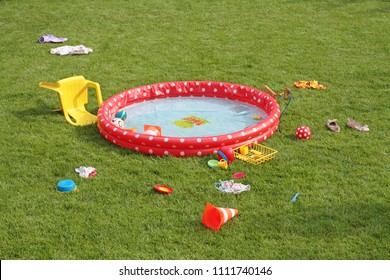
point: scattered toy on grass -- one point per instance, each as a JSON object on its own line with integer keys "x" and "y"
{"x": 303, "y": 133}
{"x": 274, "y": 92}
{"x": 295, "y": 197}
{"x": 238, "y": 175}
{"x": 254, "y": 153}
{"x": 66, "y": 186}
{"x": 214, "y": 217}
{"x": 212, "y": 163}
{"x": 226, "y": 154}
{"x": 163, "y": 189}
{"x": 223, "y": 164}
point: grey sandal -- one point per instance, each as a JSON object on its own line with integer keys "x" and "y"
{"x": 355, "y": 125}
{"x": 333, "y": 125}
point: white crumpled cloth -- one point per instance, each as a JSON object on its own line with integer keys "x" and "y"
{"x": 50, "y": 38}
{"x": 71, "y": 50}
{"x": 231, "y": 187}
{"x": 86, "y": 172}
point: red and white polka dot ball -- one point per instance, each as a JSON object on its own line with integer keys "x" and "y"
{"x": 303, "y": 132}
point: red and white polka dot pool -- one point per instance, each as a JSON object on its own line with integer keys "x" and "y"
{"x": 210, "y": 128}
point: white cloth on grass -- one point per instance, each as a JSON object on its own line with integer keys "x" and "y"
{"x": 71, "y": 50}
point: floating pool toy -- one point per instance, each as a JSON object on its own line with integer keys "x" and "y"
{"x": 152, "y": 130}
{"x": 212, "y": 163}
{"x": 242, "y": 113}
{"x": 66, "y": 186}
{"x": 163, "y": 189}
{"x": 118, "y": 122}
{"x": 303, "y": 133}
{"x": 238, "y": 175}
{"x": 197, "y": 145}
{"x": 121, "y": 114}
{"x": 131, "y": 129}
{"x": 190, "y": 121}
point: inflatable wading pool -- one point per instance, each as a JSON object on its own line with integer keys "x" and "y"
{"x": 189, "y": 118}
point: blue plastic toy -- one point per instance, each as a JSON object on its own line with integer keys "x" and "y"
{"x": 295, "y": 197}
{"x": 121, "y": 114}
{"x": 66, "y": 186}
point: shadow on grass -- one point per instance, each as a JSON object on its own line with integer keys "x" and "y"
{"x": 41, "y": 109}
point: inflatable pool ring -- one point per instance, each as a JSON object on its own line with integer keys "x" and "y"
{"x": 162, "y": 145}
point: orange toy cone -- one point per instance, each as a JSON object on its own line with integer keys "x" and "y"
{"x": 214, "y": 217}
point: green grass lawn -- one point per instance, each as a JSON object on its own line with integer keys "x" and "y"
{"x": 343, "y": 209}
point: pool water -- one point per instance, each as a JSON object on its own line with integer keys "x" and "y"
{"x": 192, "y": 116}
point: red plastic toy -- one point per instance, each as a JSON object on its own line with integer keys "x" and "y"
{"x": 163, "y": 189}
{"x": 303, "y": 133}
{"x": 226, "y": 153}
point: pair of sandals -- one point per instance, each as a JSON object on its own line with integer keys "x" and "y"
{"x": 335, "y": 127}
